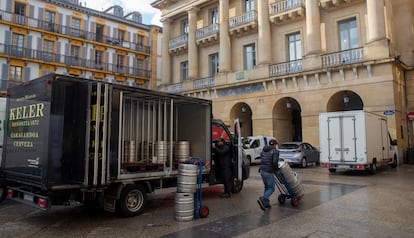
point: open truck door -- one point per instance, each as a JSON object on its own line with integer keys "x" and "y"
{"x": 241, "y": 169}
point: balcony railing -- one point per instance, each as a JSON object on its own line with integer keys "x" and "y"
{"x": 70, "y": 31}
{"x": 203, "y": 83}
{"x": 178, "y": 41}
{"x": 290, "y": 67}
{"x": 343, "y": 57}
{"x": 207, "y": 31}
{"x": 285, "y": 5}
{"x": 175, "y": 88}
{"x": 27, "y": 53}
{"x": 246, "y": 18}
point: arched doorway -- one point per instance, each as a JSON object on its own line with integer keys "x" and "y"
{"x": 345, "y": 100}
{"x": 287, "y": 120}
{"x": 244, "y": 113}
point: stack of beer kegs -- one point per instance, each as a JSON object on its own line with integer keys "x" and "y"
{"x": 184, "y": 198}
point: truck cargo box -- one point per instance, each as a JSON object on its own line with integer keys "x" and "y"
{"x": 354, "y": 140}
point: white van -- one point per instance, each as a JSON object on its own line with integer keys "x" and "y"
{"x": 253, "y": 146}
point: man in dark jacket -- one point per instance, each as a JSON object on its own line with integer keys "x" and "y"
{"x": 268, "y": 167}
{"x": 222, "y": 153}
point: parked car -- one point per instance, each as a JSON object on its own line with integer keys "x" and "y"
{"x": 298, "y": 153}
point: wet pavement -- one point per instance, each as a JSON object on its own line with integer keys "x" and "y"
{"x": 334, "y": 205}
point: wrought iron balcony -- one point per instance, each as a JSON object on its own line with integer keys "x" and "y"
{"x": 207, "y": 34}
{"x": 178, "y": 44}
{"x": 246, "y": 22}
{"x": 343, "y": 57}
{"x": 290, "y": 67}
{"x": 284, "y": 10}
{"x": 70, "y": 31}
{"x": 50, "y": 57}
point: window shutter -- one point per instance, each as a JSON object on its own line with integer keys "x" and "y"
{"x": 58, "y": 55}
{"x": 9, "y": 5}
{"x": 40, "y": 13}
{"x": 26, "y": 74}
{"x": 7, "y": 37}
{"x": 31, "y": 11}
{"x": 4, "y": 76}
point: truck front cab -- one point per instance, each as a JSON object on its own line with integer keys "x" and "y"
{"x": 241, "y": 166}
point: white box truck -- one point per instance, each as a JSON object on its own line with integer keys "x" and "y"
{"x": 355, "y": 140}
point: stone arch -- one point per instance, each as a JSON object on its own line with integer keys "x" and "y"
{"x": 344, "y": 100}
{"x": 243, "y": 112}
{"x": 287, "y": 120}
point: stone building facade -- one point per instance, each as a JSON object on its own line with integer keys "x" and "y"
{"x": 66, "y": 37}
{"x": 277, "y": 64}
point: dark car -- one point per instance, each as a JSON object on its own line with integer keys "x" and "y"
{"x": 298, "y": 153}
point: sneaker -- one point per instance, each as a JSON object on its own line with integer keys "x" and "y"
{"x": 225, "y": 195}
{"x": 268, "y": 206}
{"x": 261, "y": 204}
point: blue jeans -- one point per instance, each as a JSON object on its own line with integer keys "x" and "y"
{"x": 269, "y": 186}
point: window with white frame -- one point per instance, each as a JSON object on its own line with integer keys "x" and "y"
{"x": 17, "y": 44}
{"x": 49, "y": 21}
{"x": 48, "y": 50}
{"x": 74, "y": 55}
{"x": 348, "y": 34}
{"x": 75, "y": 30}
{"x": 184, "y": 70}
{"x": 16, "y": 73}
{"x": 184, "y": 26}
{"x": 294, "y": 46}
{"x": 249, "y": 56}
{"x": 248, "y": 5}
{"x": 214, "y": 64}
{"x": 98, "y": 59}
{"x": 214, "y": 16}
{"x": 120, "y": 63}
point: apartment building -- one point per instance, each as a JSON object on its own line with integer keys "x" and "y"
{"x": 276, "y": 64}
{"x": 66, "y": 37}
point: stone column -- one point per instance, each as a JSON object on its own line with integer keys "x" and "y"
{"x": 313, "y": 46}
{"x": 313, "y": 28}
{"x": 166, "y": 58}
{"x": 225, "y": 46}
{"x": 264, "y": 41}
{"x": 376, "y": 20}
{"x": 192, "y": 44}
{"x": 377, "y": 46}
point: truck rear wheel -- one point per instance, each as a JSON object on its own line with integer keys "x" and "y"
{"x": 237, "y": 186}
{"x": 132, "y": 201}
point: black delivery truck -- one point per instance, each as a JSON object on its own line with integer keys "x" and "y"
{"x": 75, "y": 139}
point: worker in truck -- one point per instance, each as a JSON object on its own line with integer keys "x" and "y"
{"x": 222, "y": 152}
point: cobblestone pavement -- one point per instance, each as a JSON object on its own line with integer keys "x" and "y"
{"x": 347, "y": 204}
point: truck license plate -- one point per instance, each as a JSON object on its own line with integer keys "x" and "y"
{"x": 28, "y": 197}
{"x": 341, "y": 166}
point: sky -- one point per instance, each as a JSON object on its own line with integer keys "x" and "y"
{"x": 150, "y": 15}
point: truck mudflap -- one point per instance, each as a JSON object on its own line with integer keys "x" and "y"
{"x": 29, "y": 198}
